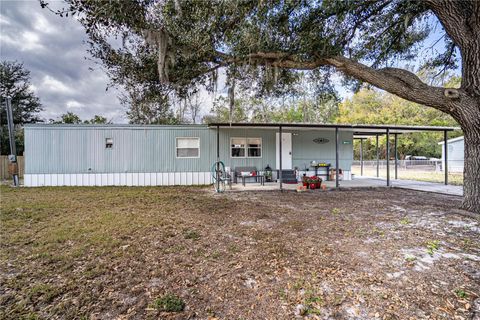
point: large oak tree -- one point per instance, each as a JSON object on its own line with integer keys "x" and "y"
{"x": 183, "y": 43}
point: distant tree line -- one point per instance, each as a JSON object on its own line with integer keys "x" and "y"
{"x": 72, "y": 118}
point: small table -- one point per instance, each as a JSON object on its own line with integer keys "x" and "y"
{"x": 322, "y": 174}
{"x": 261, "y": 176}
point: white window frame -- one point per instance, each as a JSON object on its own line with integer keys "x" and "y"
{"x": 176, "y": 147}
{"x": 261, "y": 148}
{"x": 108, "y": 143}
{"x": 246, "y": 147}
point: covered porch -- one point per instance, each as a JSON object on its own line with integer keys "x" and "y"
{"x": 284, "y": 162}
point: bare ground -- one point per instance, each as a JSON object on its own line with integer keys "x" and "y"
{"x": 109, "y": 253}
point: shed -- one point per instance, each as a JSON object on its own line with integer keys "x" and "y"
{"x": 456, "y": 153}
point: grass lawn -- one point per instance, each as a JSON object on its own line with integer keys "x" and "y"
{"x": 178, "y": 253}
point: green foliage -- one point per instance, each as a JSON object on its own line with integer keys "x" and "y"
{"x": 432, "y": 246}
{"x": 15, "y": 83}
{"x": 72, "y": 118}
{"x": 335, "y": 211}
{"x": 148, "y": 104}
{"x": 175, "y": 46}
{"x": 69, "y": 117}
{"x": 374, "y": 107}
{"x": 169, "y": 303}
{"x": 305, "y": 108}
{"x": 461, "y": 293}
{"x": 369, "y": 106}
{"x": 221, "y": 111}
{"x": 97, "y": 120}
{"x": 5, "y": 143}
{"x": 313, "y": 303}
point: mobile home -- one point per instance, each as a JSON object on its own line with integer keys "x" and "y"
{"x": 144, "y": 155}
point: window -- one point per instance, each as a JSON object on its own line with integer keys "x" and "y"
{"x": 254, "y": 146}
{"x": 108, "y": 143}
{"x": 238, "y": 147}
{"x": 246, "y": 147}
{"x": 188, "y": 147}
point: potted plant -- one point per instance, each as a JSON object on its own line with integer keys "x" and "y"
{"x": 305, "y": 181}
{"x": 314, "y": 182}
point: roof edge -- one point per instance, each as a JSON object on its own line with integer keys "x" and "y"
{"x": 453, "y": 140}
{"x": 331, "y": 125}
{"x": 83, "y": 125}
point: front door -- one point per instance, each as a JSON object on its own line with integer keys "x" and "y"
{"x": 286, "y": 150}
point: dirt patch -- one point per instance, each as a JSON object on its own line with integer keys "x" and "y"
{"x": 104, "y": 253}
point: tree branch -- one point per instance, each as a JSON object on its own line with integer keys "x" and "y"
{"x": 400, "y": 82}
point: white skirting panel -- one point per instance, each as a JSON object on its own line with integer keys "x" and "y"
{"x": 119, "y": 179}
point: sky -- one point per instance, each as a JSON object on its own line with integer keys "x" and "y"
{"x": 53, "y": 49}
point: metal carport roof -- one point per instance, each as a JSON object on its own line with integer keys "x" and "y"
{"x": 359, "y": 130}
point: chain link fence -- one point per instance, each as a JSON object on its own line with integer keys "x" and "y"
{"x": 418, "y": 170}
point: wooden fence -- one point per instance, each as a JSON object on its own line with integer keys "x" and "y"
{"x": 4, "y": 175}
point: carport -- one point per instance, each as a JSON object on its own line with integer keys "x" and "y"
{"x": 360, "y": 132}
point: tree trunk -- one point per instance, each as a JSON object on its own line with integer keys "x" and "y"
{"x": 471, "y": 173}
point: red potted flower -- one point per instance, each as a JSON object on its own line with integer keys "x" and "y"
{"x": 312, "y": 182}
{"x": 305, "y": 181}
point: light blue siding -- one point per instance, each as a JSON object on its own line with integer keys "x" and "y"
{"x": 73, "y": 149}
{"x": 305, "y": 150}
{"x": 81, "y": 149}
{"x": 268, "y": 147}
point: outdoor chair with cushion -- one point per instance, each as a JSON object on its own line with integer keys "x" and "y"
{"x": 240, "y": 170}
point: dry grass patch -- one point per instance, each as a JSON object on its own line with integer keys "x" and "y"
{"x": 175, "y": 253}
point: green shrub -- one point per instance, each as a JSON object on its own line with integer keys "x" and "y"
{"x": 169, "y": 303}
{"x": 432, "y": 246}
{"x": 461, "y": 293}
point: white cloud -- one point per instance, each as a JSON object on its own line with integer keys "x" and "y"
{"x": 53, "y": 85}
{"x": 42, "y": 25}
{"x": 30, "y": 41}
{"x": 27, "y": 41}
{"x": 52, "y": 49}
{"x": 4, "y": 21}
{"x": 72, "y": 104}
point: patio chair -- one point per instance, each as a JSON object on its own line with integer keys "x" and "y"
{"x": 238, "y": 172}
